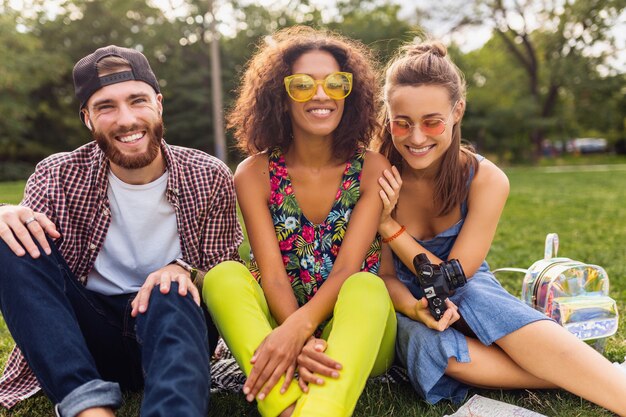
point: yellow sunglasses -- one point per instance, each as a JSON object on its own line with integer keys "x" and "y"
{"x": 302, "y": 87}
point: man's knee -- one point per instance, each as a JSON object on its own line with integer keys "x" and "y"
{"x": 172, "y": 319}
{"x": 9, "y": 260}
{"x": 22, "y": 273}
{"x": 12, "y": 264}
{"x": 171, "y": 301}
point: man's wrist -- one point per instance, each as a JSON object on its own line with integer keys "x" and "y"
{"x": 187, "y": 267}
{"x": 196, "y": 275}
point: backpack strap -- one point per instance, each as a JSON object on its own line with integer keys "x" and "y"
{"x": 550, "y": 251}
{"x": 522, "y": 270}
{"x": 552, "y": 246}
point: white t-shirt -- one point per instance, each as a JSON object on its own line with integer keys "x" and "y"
{"x": 141, "y": 239}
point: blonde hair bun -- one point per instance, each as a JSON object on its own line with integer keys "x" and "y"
{"x": 433, "y": 47}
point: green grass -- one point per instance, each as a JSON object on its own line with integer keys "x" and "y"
{"x": 11, "y": 192}
{"x": 588, "y": 211}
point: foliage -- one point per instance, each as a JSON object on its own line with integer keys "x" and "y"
{"x": 560, "y": 47}
{"x": 11, "y": 192}
{"x": 583, "y": 205}
{"x": 25, "y": 67}
{"x": 11, "y": 170}
{"x": 596, "y": 108}
{"x": 81, "y": 27}
{"x": 498, "y": 111}
{"x": 549, "y": 76}
{"x": 374, "y": 24}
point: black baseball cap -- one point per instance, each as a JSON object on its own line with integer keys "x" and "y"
{"x": 87, "y": 81}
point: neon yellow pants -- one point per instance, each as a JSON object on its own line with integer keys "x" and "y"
{"x": 360, "y": 336}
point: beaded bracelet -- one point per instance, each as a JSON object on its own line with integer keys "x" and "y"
{"x": 395, "y": 235}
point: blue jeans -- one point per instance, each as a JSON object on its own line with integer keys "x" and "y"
{"x": 85, "y": 348}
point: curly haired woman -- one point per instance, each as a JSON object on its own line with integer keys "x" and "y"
{"x": 309, "y": 197}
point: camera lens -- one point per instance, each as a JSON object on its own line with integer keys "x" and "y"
{"x": 454, "y": 273}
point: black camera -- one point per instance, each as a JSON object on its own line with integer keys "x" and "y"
{"x": 438, "y": 281}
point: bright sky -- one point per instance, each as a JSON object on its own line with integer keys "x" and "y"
{"x": 468, "y": 40}
{"x": 478, "y": 37}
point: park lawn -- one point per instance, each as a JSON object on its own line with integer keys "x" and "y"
{"x": 587, "y": 208}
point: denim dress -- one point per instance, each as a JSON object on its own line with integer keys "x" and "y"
{"x": 488, "y": 309}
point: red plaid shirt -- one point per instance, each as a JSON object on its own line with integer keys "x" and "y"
{"x": 71, "y": 189}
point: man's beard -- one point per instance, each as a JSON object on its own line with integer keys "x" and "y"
{"x": 154, "y": 134}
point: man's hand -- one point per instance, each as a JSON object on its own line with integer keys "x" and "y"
{"x": 313, "y": 362}
{"x": 18, "y": 226}
{"x": 164, "y": 277}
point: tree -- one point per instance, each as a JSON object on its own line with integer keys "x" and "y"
{"x": 553, "y": 41}
{"x": 26, "y": 66}
{"x": 77, "y": 29}
{"x": 597, "y": 107}
{"x": 376, "y": 24}
{"x": 499, "y": 110}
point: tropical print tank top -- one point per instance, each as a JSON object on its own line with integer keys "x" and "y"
{"x": 309, "y": 250}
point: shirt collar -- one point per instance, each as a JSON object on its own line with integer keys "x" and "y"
{"x": 102, "y": 166}
{"x": 173, "y": 181}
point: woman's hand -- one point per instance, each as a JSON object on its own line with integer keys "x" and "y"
{"x": 276, "y": 356}
{"x": 422, "y": 313}
{"x": 390, "y": 184}
{"x": 313, "y": 362}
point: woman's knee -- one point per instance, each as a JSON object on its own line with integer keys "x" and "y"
{"x": 224, "y": 278}
{"x": 364, "y": 290}
{"x": 365, "y": 284}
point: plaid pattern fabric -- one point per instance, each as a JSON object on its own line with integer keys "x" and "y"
{"x": 18, "y": 382}
{"x": 71, "y": 189}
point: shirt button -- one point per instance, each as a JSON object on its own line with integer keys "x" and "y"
{"x": 92, "y": 247}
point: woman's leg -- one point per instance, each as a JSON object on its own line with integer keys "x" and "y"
{"x": 441, "y": 365}
{"x": 240, "y": 312}
{"x": 491, "y": 367}
{"x": 490, "y": 312}
{"x": 361, "y": 339}
{"x": 550, "y": 352}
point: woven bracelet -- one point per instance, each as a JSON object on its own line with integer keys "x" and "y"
{"x": 395, "y": 235}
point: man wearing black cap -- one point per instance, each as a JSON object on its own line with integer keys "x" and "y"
{"x": 100, "y": 262}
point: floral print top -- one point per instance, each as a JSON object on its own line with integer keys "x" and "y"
{"x": 309, "y": 250}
